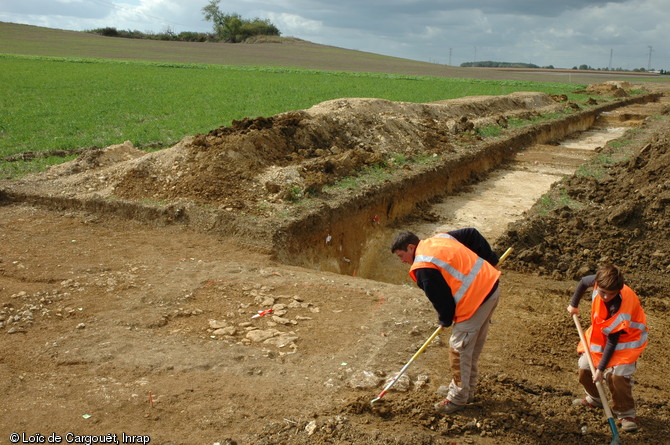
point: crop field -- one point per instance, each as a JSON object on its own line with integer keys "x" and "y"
{"x": 66, "y": 90}
{"x": 63, "y": 104}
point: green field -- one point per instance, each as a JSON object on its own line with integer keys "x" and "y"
{"x": 56, "y": 104}
{"x": 50, "y": 102}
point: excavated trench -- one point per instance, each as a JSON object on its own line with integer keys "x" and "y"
{"x": 487, "y": 186}
{"x": 492, "y": 203}
{"x": 489, "y": 191}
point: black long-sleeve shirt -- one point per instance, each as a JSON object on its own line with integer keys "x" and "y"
{"x": 612, "y": 306}
{"x": 436, "y": 288}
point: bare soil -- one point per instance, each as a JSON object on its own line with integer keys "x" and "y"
{"x": 129, "y": 282}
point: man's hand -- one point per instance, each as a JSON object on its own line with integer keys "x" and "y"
{"x": 573, "y": 310}
{"x": 598, "y": 376}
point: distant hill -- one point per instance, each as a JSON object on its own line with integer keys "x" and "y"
{"x": 285, "y": 52}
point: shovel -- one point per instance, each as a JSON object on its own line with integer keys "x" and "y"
{"x": 599, "y": 385}
{"x": 423, "y": 347}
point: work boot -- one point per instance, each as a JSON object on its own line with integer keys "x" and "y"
{"x": 447, "y": 407}
{"x": 629, "y": 424}
{"x": 444, "y": 391}
{"x": 585, "y": 402}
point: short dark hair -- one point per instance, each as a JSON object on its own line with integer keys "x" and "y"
{"x": 609, "y": 277}
{"x": 404, "y": 239}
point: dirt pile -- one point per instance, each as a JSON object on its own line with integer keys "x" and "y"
{"x": 617, "y": 209}
{"x": 256, "y": 165}
{"x": 612, "y": 88}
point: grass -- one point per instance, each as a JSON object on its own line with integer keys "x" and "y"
{"x": 374, "y": 174}
{"x": 20, "y": 167}
{"x": 596, "y": 168}
{"x": 377, "y": 173}
{"x": 56, "y": 95}
{"x": 60, "y": 103}
{"x": 490, "y": 131}
{"x": 617, "y": 150}
{"x": 516, "y": 122}
{"x": 554, "y": 199}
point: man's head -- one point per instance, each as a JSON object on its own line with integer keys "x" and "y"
{"x": 404, "y": 246}
{"x": 610, "y": 281}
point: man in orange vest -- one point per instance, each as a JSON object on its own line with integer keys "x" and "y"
{"x": 616, "y": 338}
{"x": 456, "y": 271}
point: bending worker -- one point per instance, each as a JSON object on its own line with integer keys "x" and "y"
{"x": 617, "y": 337}
{"x": 456, "y": 271}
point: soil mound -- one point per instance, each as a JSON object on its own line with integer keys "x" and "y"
{"x": 93, "y": 159}
{"x": 275, "y": 159}
{"x": 612, "y": 88}
{"x": 615, "y": 212}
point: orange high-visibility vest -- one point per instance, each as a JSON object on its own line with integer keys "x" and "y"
{"x": 470, "y": 277}
{"x": 630, "y": 319}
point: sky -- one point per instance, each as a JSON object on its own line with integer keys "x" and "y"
{"x": 626, "y": 34}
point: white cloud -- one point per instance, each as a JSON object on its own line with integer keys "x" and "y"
{"x": 291, "y": 24}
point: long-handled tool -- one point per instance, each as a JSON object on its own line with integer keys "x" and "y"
{"x": 423, "y": 347}
{"x": 599, "y": 385}
{"x": 404, "y": 368}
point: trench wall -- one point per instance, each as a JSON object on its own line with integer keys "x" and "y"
{"x": 347, "y": 226}
{"x": 335, "y": 238}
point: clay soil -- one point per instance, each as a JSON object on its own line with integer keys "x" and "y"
{"x": 119, "y": 318}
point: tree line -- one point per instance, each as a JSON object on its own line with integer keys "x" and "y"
{"x": 491, "y": 64}
{"x": 227, "y": 27}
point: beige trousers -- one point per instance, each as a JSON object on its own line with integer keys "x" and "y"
{"x": 466, "y": 344}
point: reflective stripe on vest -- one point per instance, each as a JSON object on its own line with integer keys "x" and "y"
{"x": 634, "y": 333}
{"x": 469, "y": 277}
{"x": 466, "y": 280}
{"x": 627, "y": 345}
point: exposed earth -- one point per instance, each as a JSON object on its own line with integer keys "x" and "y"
{"x": 129, "y": 282}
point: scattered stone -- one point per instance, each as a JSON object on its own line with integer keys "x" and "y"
{"x": 421, "y": 381}
{"x": 364, "y": 380}
{"x": 281, "y": 340}
{"x": 214, "y": 324}
{"x": 401, "y": 385}
{"x": 266, "y": 301}
{"x": 258, "y": 336}
{"x": 310, "y": 428}
{"x": 280, "y": 320}
{"x": 228, "y": 330}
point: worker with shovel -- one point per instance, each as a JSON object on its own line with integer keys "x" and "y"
{"x": 456, "y": 271}
{"x": 616, "y": 338}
